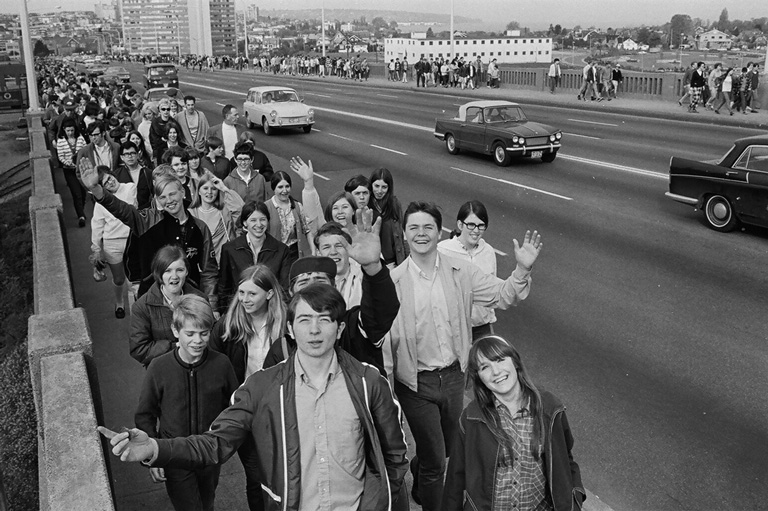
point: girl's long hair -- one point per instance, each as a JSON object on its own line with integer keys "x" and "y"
{"x": 238, "y": 325}
{"x": 493, "y": 347}
{"x": 386, "y": 207}
{"x": 197, "y": 201}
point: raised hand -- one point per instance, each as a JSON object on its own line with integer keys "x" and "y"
{"x": 87, "y": 173}
{"x": 366, "y": 242}
{"x": 304, "y": 170}
{"x": 219, "y": 184}
{"x": 527, "y": 253}
{"x": 129, "y": 445}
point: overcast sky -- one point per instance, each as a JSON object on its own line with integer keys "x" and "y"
{"x": 535, "y": 14}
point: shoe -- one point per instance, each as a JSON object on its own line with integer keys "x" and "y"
{"x": 119, "y": 312}
{"x": 609, "y": 99}
{"x": 99, "y": 275}
{"x": 578, "y": 97}
{"x": 680, "y": 102}
{"x": 717, "y": 111}
{"x": 731, "y": 113}
{"x": 81, "y": 221}
{"x": 599, "y": 99}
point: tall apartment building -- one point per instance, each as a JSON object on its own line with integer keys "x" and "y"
{"x": 200, "y": 27}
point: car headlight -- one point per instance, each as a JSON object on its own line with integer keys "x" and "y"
{"x": 558, "y": 135}
{"x": 515, "y": 139}
{"x": 552, "y": 138}
{"x": 273, "y": 114}
{"x": 521, "y": 140}
{"x": 310, "y": 113}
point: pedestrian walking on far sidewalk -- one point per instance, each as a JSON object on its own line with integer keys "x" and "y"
{"x": 554, "y": 75}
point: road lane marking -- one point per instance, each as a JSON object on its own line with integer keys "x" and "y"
{"x": 388, "y": 149}
{"x": 375, "y": 119}
{"x": 386, "y": 96}
{"x": 318, "y": 95}
{"x": 594, "y": 122}
{"x": 322, "y": 177}
{"x": 339, "y": 136}
{"x": 499, "y": 180}
{"x": 502, "y": 254}
{"x": 221, "y": 104}
{"x": 623, "y": 168}
{"x": 581, "y": 136}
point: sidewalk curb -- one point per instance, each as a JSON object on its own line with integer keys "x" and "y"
{"x": 506, "y": 91}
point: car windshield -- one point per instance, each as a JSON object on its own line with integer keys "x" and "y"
{"x": 280, "y": 96}
{"x": 498, "y": 114}
{"x": 158, "y": 71}
{"x": 116, "y": 70}
{"x": 155, "y": 95}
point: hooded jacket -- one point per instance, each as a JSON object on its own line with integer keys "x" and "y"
{"x": 264, "y": 407}
{"x": 471, "y": 473}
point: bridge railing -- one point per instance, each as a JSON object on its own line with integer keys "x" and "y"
{"x": 72, "y": 470}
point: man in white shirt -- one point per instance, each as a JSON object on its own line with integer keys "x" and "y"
{"x": 228, "y": 131}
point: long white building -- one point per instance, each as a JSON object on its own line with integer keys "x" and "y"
{"x": 505, "y": 49}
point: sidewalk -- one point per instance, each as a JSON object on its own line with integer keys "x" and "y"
{"x": 562, "y": 98}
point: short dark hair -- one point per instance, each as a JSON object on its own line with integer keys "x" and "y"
{"x": 213, "y": 143}
{"x": 355, "y": 183}
{"x": 227, "y": 108}
{"x": 331, "y": 229}
{"x": 96, "y": 125}
{"x": 249, "y": 209}
{"x": 429, "y": 208}
{"x": 321, "y": 298}
{"x": 165, "y": 257}
{"x": 175, "y": 151}
{"x": 190, "y": 98}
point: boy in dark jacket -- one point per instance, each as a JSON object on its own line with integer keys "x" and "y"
{"x": 183, "y": 392}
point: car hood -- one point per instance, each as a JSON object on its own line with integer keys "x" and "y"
{"x": 288, "y": 109}
{"x": 526, "y": 129}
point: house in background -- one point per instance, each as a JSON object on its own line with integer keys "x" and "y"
{"x": 714, "y": 40}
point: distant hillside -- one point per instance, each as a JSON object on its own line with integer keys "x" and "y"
{"x": 348, "y": 15}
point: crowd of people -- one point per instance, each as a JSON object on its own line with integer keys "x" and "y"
{"x": 294, "y": 334}
{"x": 715, "y": 87}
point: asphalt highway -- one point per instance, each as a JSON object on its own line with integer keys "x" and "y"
{"x": 641, "y": 319}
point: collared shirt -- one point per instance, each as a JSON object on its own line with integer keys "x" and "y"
{"x": 351, "y": 285}
{"x": 229, "y": 137}
{"x": 434, "y": 342}
{"x": 331, "y": 442}
{"x": 258, "y": 346}
{"x": 103, "y": 155}
{"x": 520, "y": 482}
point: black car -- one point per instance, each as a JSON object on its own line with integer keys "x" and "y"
{"x": 730, "y": 190}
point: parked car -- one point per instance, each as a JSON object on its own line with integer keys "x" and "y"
{"x": 160, "y": 75}
{"x": 118, "y": 74}
{"x": 276, "y": 107}
{"x": 95, "y": 69}
{"x": 499, "y": 128}
{"x": 730, "y": 190}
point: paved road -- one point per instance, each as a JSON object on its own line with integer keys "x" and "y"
{"x": 641, "y": 318}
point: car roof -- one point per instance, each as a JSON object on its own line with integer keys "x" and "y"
{"x": 272, "y": 88}
{"x": 487, "y": 103}
{"x": 757, "y": 139}
{"x": 159, "y": 65}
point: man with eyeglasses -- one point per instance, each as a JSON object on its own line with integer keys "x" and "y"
{"x": 248, "y": 184}
{"x": 158, "y": 129}
{"x": 228, "y": 131}
{"x": 194, "y": 124}
{"x": 432, "y": 334}
{"x": 100, "y": 151}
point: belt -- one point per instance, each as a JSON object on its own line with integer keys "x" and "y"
{"x": 447, "y": 369}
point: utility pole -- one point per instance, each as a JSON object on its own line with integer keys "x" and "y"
{"x": 245, "y": 31}
{"x": 29, "y": 59}
{"x": 322, "y": 28}
{"x": 452, "y": 52}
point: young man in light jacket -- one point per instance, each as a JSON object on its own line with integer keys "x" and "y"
{"x": 432, "y": 334}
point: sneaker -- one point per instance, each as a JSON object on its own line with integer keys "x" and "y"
{"x": 599, "y": 99}
{"x": 717, "y": 111}
{"x": 680, "y": 102}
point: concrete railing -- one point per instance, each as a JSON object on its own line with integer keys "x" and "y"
{"x": 72, "y": 470}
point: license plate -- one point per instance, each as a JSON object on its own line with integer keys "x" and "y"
{"x": 537, "y": 154}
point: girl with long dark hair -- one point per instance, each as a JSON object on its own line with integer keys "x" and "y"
{"x": 513, "y": 445}
{"x": 384, "y": 204}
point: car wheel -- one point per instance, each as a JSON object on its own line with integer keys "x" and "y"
{"x": 549, "y": 157}
{"x": 248, "y": 123}
{"x": 719, "y": 214}
{"x": 307, "y": 129}
{"x": 500, "y": 155}
{"x": 266, "y": 127}
{"x": 450, "y": 143}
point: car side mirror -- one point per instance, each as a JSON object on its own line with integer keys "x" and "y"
{"x": 301, "y": 100}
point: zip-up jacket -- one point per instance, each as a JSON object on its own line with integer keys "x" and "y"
{"x": 186, "y": 398}
{"x": 264, "y": 407}
{"x": 151, "y": 334}
{"x": 156, "y": 229}
{"x": 366, "y": 324}
{"x": 471, "y": 473}
{"x": 254, "y": 190}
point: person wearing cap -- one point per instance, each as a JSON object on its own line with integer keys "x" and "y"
{"x": 367, "y": 323}
{"x": 325, "y": 429}
{"x": 68, "y": 104}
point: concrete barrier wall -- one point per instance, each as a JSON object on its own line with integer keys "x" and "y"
{"x": 72, "y": 469}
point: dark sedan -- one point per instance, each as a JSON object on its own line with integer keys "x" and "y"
{"x": 499, "y": 128}
{"x": 731, "y": 190}
{"x": 118, "y": 74}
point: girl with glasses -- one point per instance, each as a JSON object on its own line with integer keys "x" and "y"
{"x": 467, "y": 243}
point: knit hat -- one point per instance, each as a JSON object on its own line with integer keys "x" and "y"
{"x": 312, "y": 264}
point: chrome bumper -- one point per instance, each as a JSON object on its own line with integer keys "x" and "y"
{"x": 691, "y": 201}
